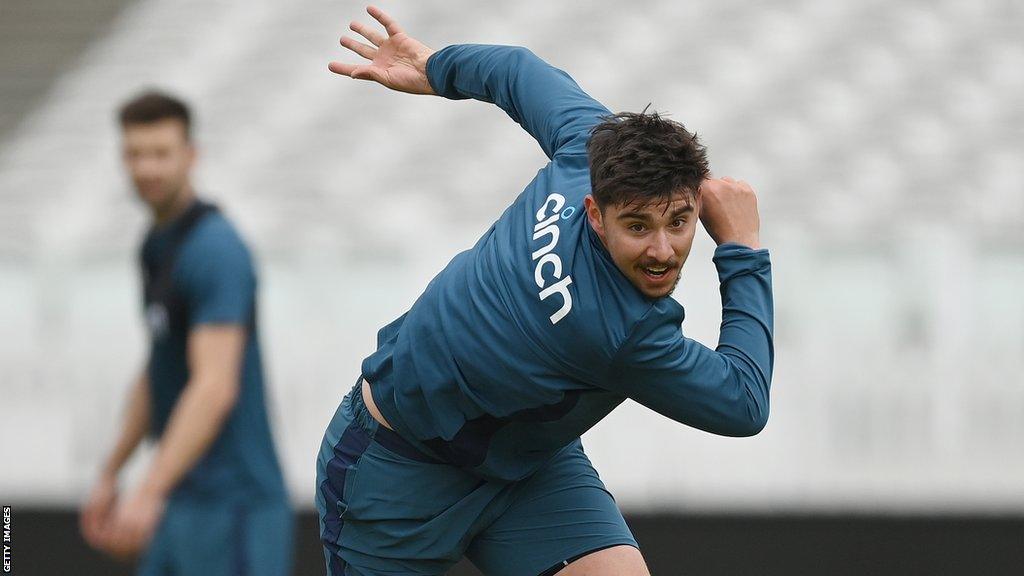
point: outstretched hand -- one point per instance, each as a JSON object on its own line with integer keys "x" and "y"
{"x": 397, "y": 60}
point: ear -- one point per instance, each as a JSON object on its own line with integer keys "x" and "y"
{"x": 594, "y": 215}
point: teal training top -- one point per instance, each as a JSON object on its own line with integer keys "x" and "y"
{"x": 533, "y": 335}
{"x": 198, "y": 271}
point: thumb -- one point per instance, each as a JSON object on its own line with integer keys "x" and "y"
{"x": 369, "y": 73}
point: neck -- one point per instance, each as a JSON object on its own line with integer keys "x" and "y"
{"x": 163, "y": 215}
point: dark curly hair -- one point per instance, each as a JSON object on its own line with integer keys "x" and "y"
{"x": 154, "y": 106}
{"x": 643, "y": 158}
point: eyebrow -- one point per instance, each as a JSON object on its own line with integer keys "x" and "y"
{"x": 638, "y": 214}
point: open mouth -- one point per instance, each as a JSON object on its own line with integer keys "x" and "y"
{"x": 656, "y": 273}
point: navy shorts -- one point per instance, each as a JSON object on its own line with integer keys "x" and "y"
{"x": 221, "y": 539}
{"x": 387, "y": 509}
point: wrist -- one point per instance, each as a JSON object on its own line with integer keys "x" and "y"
{"x": 423, "y": 66}
{"x": 153, "y": 489}
{"x": 749, "y": 241}
{"x": 423, "y": 58}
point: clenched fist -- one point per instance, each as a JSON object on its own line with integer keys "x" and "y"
{"x": 728, "y": 211}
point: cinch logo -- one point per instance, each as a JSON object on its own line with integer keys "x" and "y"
{"x": 545, "y": 256}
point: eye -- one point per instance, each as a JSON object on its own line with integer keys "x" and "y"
{"x": 636, "y": 227}
{"x": 678, "y": 223}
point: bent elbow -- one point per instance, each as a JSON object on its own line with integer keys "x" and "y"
{"x": 738, "y": 420}
{"x": 752, "y": 425}
{"x": 751, "y": 402}
{"x": 219, "y": 394}
{"x": 742, "y": 417}
{"x": 521, "y": 53}
{"x": 229, "y": 395}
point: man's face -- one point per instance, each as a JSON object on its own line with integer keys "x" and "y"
{"x": 158, "y": 157}
{"x": 648, "y": 243}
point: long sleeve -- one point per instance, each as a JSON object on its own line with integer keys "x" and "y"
{"x": 724, "y": 391}
{"x": 544, "y": 100}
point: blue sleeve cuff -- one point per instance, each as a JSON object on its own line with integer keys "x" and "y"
{"x": 734, "y": 259}
{"x": 438, "y": 69}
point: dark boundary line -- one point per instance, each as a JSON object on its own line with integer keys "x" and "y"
{"x": 47, "y": 542}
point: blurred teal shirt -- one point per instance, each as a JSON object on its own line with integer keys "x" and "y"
{"x": 532, "y": 336}
{"x": 212, "y": 281}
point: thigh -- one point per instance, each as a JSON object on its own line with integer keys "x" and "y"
{"x": 615, "y": 561}
{"x": 385, "y": 512}
{"x": 156, "y": 561}
{"x": 561, "y": 513}
{"x": 206, "y": 538}
{"x": 222, "y": 538}
{"x": 268, "y": 538}
{"x": 191, "y": 539}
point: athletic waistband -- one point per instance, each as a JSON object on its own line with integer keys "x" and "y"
{"x": 382, "y": 434}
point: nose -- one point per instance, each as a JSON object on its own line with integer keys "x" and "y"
{"x": 147, "y": 167}
{"x": 660, "y": 249}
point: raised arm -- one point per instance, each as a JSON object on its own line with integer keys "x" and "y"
{"x": 542, "y": 99}
{"x": 726, "y": 390}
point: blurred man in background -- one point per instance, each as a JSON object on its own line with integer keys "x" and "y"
{"x": 462, "y": 436}
{"x": 213, "y": 500}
